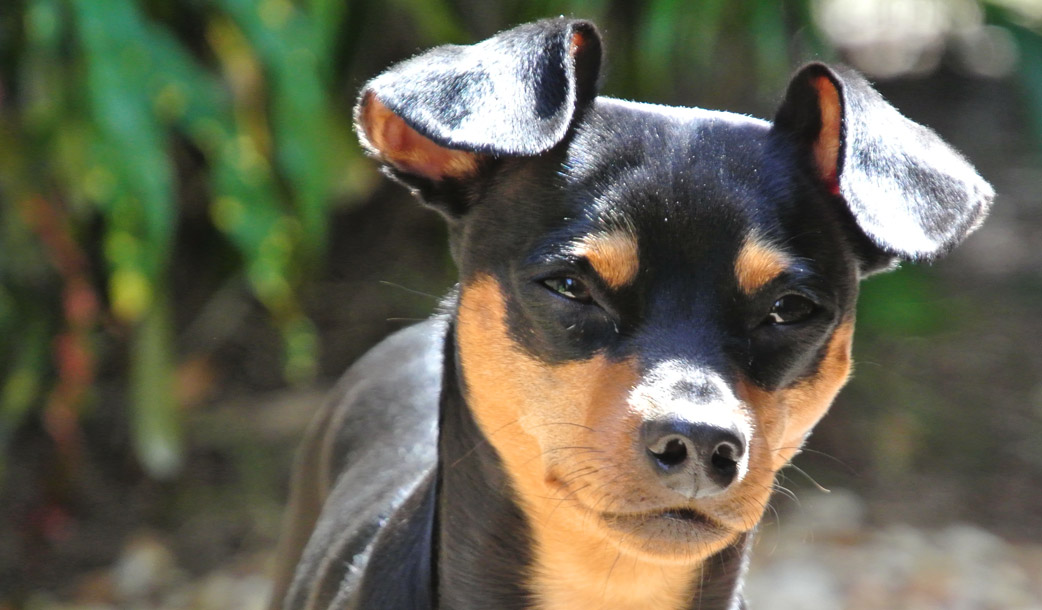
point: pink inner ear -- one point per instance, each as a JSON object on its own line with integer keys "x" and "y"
{"x": 578, "y": 42}
{"x": 407, "y": 150}
{"x": 826, "y": 147}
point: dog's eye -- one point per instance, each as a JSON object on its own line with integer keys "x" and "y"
{"x": 570, "y": 288}
{"x": 790, "y": 309}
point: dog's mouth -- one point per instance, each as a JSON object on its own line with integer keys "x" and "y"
{"x": 670, "y": 530}
{"x": 669, "y": 535}
{"x": 673, "y": 517}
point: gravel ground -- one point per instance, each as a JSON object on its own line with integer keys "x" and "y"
{"x": 821, "y": 556}
{"x": 824, "y": 557}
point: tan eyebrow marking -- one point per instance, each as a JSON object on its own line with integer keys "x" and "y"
{"x": 613, "y": 255}
{"x": 758, "y": 263}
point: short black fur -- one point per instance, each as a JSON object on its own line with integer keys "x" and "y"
{"x": 484, "y": 545}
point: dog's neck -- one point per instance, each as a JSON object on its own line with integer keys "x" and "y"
{"x": 486, "y": 544}
{"x": 482, "y": 537}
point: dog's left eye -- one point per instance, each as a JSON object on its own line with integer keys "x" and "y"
{"x": 790, "y": 309}
{"x": 570, "y": 288}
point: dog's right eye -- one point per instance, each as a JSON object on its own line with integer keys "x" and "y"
{"x": 790, "y": 309}
{"x": 569, "y": 288}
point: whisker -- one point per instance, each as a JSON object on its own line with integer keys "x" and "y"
{"x": 607, "y": 579}
{"x": 563, "y": 500}
{"x": 850, "y": 469}
{"x": 482, "y": 442}
{"x": 576, "y": 474}
{"x": 579, "y": 451}
{"x": 820, "y": 487}
{"x": 788, "y": 493}
{"x": 776, "y": 514}
{"x": 607, "y": 483}
{"x": 411, "y": 290}
{"x": 565, "y": 423}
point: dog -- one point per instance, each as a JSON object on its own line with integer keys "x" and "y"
{"x": 655, "y": 307}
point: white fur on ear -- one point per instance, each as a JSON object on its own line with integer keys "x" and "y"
{"x": 514, "y": 94}
{"x": 911, "y": 193}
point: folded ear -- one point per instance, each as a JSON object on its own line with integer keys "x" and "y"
{"x": 910, "y": 193}
{"x": 440, "y": 114}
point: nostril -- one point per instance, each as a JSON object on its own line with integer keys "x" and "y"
{"x": 673, "y": 453}
{"x": 731, "y": 450}
{"x": 694, "y": 459}
{"x": 725, "y": 459}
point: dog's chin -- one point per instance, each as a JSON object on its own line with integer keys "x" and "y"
{"x": 668, "y": 535}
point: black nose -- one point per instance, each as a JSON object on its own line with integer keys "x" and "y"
{"x": 694, "y": 459}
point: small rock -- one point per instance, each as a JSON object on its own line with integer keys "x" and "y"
{"x": 145, "y": 567}
{"x": 223, "y": 591}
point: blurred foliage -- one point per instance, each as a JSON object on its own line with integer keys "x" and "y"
{"x": 1029, "y": 43}
{"x": 117, "y": 116}
{"x": 906, "y": 303}
{"x": 97, "y": 95}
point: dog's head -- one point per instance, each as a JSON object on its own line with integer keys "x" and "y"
{"x": 656, "y": 304}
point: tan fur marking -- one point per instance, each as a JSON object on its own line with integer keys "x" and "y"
{"x": 404, "y": 147}
{"x": 826, "y": 148}
{"x": 795, "y": 410}
{"x": 614, "y": 256}
{"x": 559, "y": 430}
{"x": 758, "y": 263}
{"x": 567, "y": 435}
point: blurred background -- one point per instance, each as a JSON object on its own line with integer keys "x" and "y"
{"x": 193, "y": 248}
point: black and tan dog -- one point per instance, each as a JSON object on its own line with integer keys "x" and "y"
{"x": 655, "y": 307}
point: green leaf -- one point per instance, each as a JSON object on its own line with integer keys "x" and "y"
{"x": 119, "y": 62}
{"x": 301, "y": 340}
{"x": 155, "y": 421}
{"x": 23, "y": 382}
{"x": 657, "y": 42}
{"x": 769, "y": 36}
{"x": 1030, "y": 44}
{"x": 903, "y": 303}
{"x": 284, "y": 39}
{"x": 327, "y": 16}
{"x": 435, "y": 20}
{"x": 130, "y": 140}
{"x": 677, "y": 38}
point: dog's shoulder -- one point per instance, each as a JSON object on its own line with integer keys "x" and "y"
{"x": 373, "y": 452}
{"x": 388, "y": 400}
